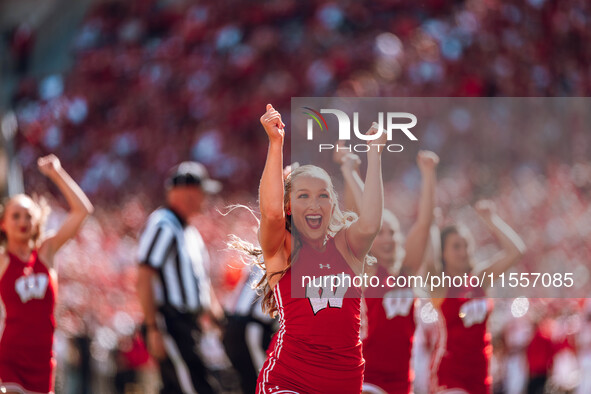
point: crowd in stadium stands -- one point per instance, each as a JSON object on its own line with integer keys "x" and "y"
{"x": 157, "y": 82}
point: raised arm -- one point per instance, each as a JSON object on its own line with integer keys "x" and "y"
{"x": 512, "y": 246}
{"x": 349, "y": 163}
{"x": 431, "y": 263}
{"x": 80, "y": 206}
{"x": 418, "y": 236}
{"x": 272, "y": 231}
{"x": 360, "y": 235}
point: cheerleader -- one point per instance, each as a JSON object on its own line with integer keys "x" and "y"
{"x": 390, "y": 311}
{"x": 461, "y": 359}
{"x": 304, "y": 233}
{"x": 28, "y": 282}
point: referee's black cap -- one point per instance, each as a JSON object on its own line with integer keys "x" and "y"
{"x": 192, "y": 173}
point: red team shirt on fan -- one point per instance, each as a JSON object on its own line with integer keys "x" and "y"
{"x": 390, "y": 334}
{"x": 27, "y": 295}
{"x": 540, "y": 353}
{"x": 464, "y": 348}
{"x": 317, "y": 348}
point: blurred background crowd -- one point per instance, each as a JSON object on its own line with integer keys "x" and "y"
{"x": 123, "y": 90}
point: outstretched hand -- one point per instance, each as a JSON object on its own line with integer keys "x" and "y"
{"x": 49, "y": 165}
{"x": 271, "y": 121}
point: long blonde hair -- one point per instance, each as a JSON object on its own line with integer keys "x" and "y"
{"x": 339, "y": 220}
{"x": 40, "y": 211}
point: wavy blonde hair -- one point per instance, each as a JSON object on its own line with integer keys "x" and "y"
{"x": 40, "y": 211}
{"x": 339, "y": 220}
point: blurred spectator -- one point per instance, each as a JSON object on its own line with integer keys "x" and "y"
{"x": 540, "y": 356}
{"x": 131, "y": 356}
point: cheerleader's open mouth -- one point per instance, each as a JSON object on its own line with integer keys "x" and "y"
{"x": 314, "y": 221}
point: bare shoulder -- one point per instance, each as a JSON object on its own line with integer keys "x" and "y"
{"x": 4, "y": 260}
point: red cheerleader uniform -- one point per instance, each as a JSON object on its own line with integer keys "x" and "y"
{"x": 462, "y": 357}
{"x": 27, "y": 300}
{"x": 317, "y": 348}
{"x": 390, "y": 335}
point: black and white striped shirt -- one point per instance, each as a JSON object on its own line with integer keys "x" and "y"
{"x": 179, "y": 256}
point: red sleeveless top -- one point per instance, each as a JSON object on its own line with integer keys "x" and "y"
{"x": 317, "y": 348}
{"x": 464, "y": 348}
{"x": 27, "y": 323}
{"x": 390, "y": 334}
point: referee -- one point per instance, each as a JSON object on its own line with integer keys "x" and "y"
{"x": 173, "y": 282}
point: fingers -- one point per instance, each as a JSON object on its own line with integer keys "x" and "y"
{"x": 272, "y": 116}
{"x": 381, "y": 136}
{"x": 375, "y": 127}
{"x": 430, "y": 155}
{"x": 427, "y": 159}
{"x": 343, "y": 155}
{"x": 275, "y": 120}
{"x": 289, "y": 169}
{"x": 482, "y": 203}
{"x": 51, "y": 158}
{"x": 485, "y": 204}
{"x": 350, "y": 160}
{"x": 485, "y": 207}
{"x": 353, "y": 158}
{"x": 286, "y": 172}
{"x": 42, "y": 160}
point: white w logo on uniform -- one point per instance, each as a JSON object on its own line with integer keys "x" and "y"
{"x": 31, "y": 286}
{"x": 473, "y": 312}
{"x": 322, "y": 297}
{"x": 397, "y": 303}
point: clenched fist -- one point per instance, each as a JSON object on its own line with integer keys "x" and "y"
{"x": 271, "y": 121}
{"x": 49, "y": 165}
